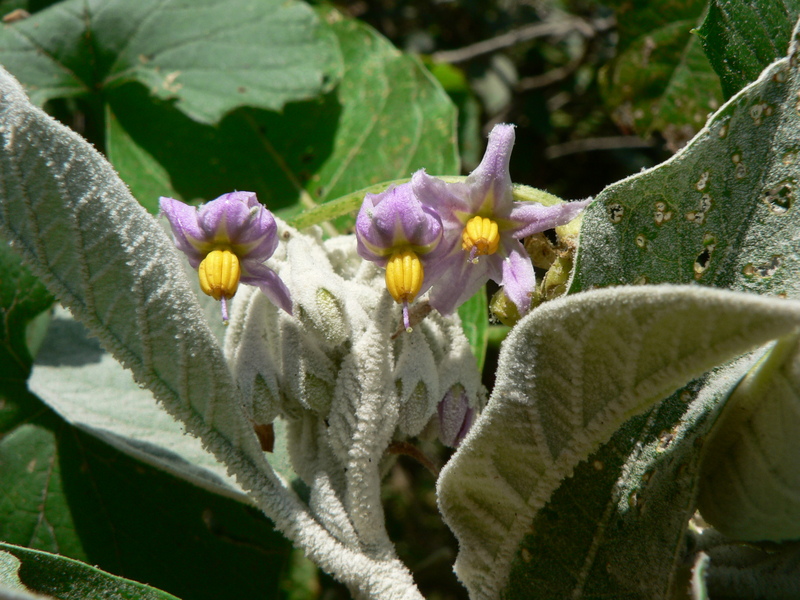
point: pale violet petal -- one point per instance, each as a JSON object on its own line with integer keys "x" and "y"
{"x": 186, "y": 231}
{"x": 533, "y": 217}
{"x": 268, "y": 281}
{"x": 519, "y": 280}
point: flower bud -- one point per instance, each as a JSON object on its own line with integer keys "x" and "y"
{"x": 455, "y": 416}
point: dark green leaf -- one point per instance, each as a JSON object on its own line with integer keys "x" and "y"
{"x": 145, "y": 176}
{"x": 742, "y": 38}
{"x": 68, "y": 579}
{"x": 66, "y": 492}
{"x": 661, "y": 79}
{"x": 474, "y": 315}
{"x": 387, "y": 118}
{"x": 22, "y": 297}
{"x": 207, "y": 56}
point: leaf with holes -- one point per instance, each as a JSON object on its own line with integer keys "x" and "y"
{"x": 207, "y": 57}
{"x": 721, "y": 212}
{"x": 718, "y": 213}
{"x": 570, "y": 374}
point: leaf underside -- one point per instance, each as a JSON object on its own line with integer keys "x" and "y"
{"x": 720, "y": 213}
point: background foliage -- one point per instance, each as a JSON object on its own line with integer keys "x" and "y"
{"x": 378, "y": 90}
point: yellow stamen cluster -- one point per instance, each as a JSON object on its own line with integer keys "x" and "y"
{"x": 480, "y": 237}
{"x": 404, "y": 275}
{"x": 219, "y": 274}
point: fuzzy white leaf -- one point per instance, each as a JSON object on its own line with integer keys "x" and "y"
{"x": 569, "y": 375}
{"x": 252, "y": 352}
{"x": 91, "y": 390}
{"x": 319, "y": 292}
{"x": 417, "y": 381}
{"x": 749, "y": 481}
{"x": 363, "y": 417}
{"x": 69, "y": 215}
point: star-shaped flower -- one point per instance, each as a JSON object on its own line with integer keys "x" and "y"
{"x": 395, "y": 231}
{"x": 227, "y": 240}
{"x": 483, "y": 226}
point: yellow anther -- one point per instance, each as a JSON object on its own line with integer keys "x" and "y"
{"x": 404, "y": 275}
{"x": 480, "y": 237}
{"x": 219, "y": 274}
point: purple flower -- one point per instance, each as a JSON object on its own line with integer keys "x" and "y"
{"x": 483, "y": 226}
{"x": 455, "y": 416}
{"x": 227, "y": 240}
{"x": 395, "y": 231}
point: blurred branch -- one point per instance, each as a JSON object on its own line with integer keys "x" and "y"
{"x": 601, "y": 143}
{"x": 523, "y": 34}
{"x": 551, "y": 76}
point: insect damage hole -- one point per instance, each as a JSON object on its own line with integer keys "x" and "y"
{"x": 702, "y": 260}
{"x": 763, "y": 270}
{"x": 661, "y": 215}
{"x": 780, "y": 198}
{"x": 615, "y": 212}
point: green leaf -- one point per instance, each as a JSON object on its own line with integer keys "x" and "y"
{"x": 661, "y": 80}
{"x": 22, "y": 297}
{"x": 145, "y": 176}
{"x": 741, "y": 38}
{"x": 66, "y": 492}
{"x": 206, "y": 56}
{"x": 474, "y": 315}
{"x": 135, "y": 521}
{"x": 570, "y": 374}
{"x": 387, "y": 118}
{"x": 70, "y": 579}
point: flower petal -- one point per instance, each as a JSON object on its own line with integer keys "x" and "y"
{"x": 395, "y": 219}
{"x": 532, "y": 217}
{"x": 259, "y": 237}
{"x": 490, "y": 184}
{"x": 454, "y": 416}
{"x": 224, "y": 218}
{"x": 519, "y": 280}
{"x": 458, "y": 280}
{"x": 189, "y": 236}
{"x": 257, "y": 273}
{"x": 451, "y": 201}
